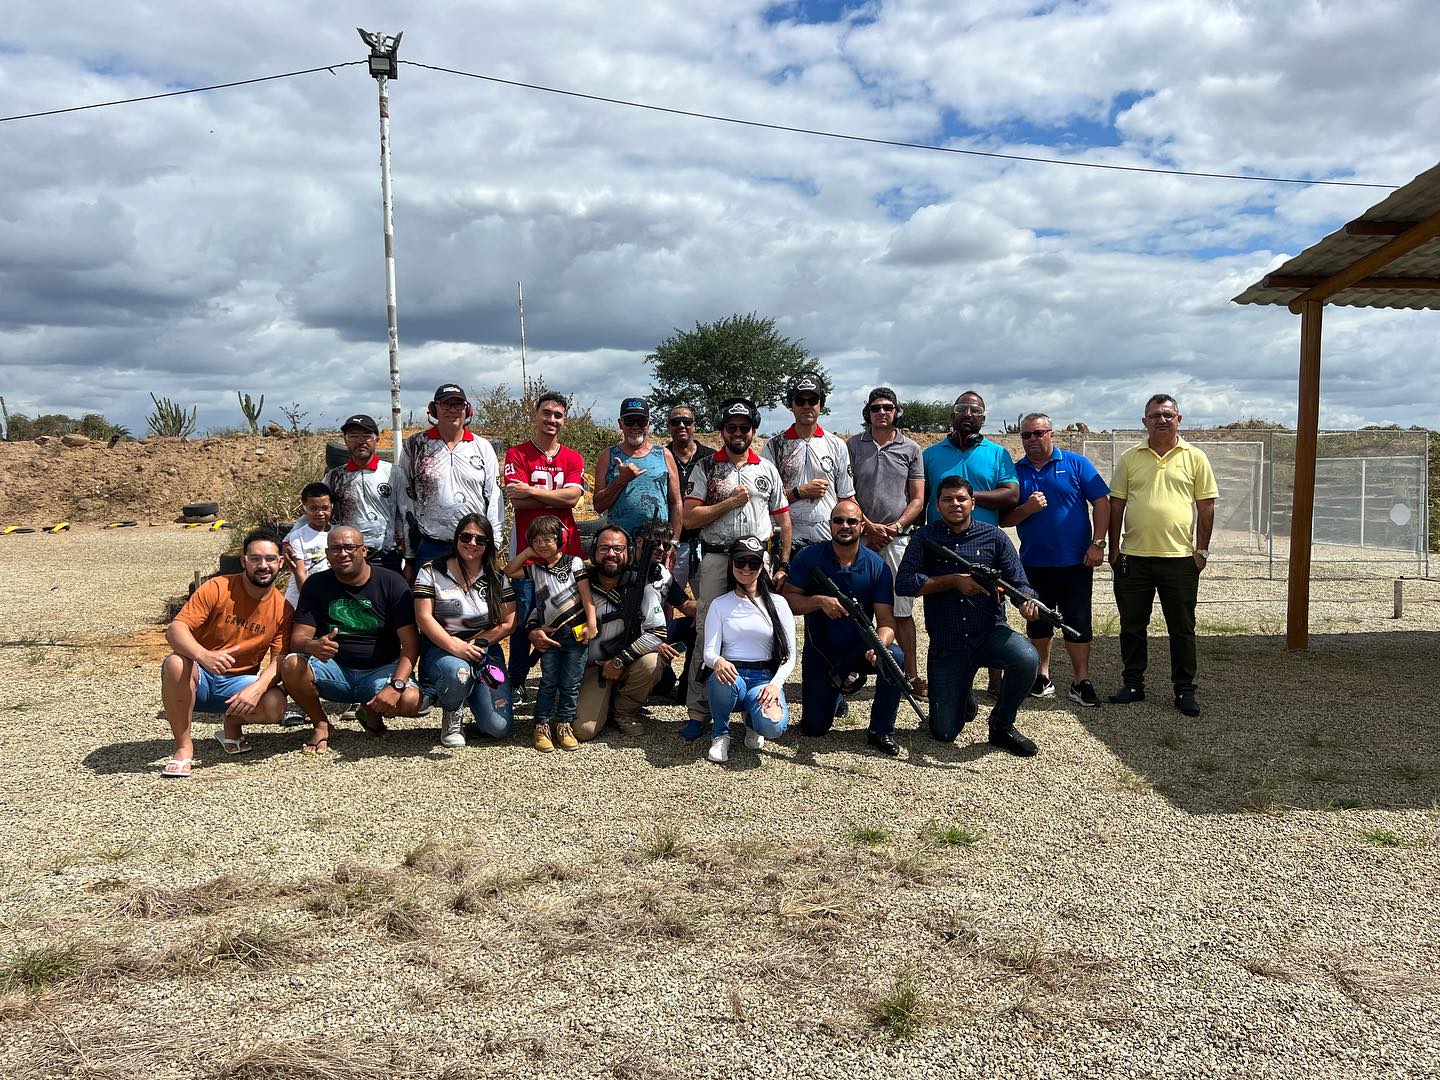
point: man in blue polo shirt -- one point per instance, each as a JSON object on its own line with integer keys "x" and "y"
{"x": 1060, "y": 546}
{"x": 834, "y": 649}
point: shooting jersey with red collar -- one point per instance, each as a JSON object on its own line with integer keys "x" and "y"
{"x": 440, "y": 485}
{"x": 799, "y": 460}
{"x": 365, "y": 499}
{"x": 715, "y": 480}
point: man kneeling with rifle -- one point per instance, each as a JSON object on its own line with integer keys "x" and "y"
{"x": 838, "y": 586}
{"x": 964, "y": 619}
{"x": 623, "y": 663}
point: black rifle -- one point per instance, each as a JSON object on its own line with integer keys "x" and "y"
{"x": 884, "y": 663}
{"x": 989, "y": 578}
{"x": 631, "y": 590}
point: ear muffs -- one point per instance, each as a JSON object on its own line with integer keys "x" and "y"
{"x": 469, "y": 411}
{"x": 865, "y": 413}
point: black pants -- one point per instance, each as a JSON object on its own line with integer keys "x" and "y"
{"x": 390, "y": 560}
{"x": 1177, "y": 581}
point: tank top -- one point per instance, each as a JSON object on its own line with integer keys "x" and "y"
{"x": 646, "y": 495}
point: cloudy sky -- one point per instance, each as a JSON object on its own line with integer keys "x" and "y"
{"x": 231, "y": 240}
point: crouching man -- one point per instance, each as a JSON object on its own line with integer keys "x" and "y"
{"x": 219, "y": 637}
{"x": 354, "y": 641}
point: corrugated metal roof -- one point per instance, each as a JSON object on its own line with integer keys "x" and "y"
{"x": 1416, "y": 201}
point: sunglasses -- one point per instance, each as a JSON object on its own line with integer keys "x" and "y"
{"x": 681, "y": 421}
{"x": 882, "y": 407}
{"x": 471, "y": 538}
{"x": 1033, "y": 434}
{"x": 748, "y": 562}
{"x": 634, "y": 421}
{"x": 845, "y": 521}
{"x": 807, "y": 400}
{"x": 738, "y": 429}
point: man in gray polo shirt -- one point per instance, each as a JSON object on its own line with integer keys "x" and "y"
{"x": 890, "y": 488}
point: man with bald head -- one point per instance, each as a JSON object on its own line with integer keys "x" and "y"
{"x": 354, "y": 640}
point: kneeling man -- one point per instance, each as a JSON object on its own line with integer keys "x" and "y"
{"x": 354, "y": 641}
{"x": 219, "y": 637}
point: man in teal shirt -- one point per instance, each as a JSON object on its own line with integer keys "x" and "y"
{"x": 985, "y": 464}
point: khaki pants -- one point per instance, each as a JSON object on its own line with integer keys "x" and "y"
{"x": 708, "y": 586}
{"x": 626, "y": 694}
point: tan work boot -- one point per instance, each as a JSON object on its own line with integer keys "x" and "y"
{"x": 542, "y": 738}
{"x": 566, "y": 738}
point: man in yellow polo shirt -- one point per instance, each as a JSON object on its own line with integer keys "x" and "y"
{"x": 1159, "y": 488}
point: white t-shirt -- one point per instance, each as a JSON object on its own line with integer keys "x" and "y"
{"x": 739, "y": 629}
{"x": 307, "y": 545}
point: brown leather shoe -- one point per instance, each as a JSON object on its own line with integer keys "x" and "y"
{"x": 920, "y": 688}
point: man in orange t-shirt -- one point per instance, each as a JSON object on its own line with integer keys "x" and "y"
{"x": 219, "y": 637}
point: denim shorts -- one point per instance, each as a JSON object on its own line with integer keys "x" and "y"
{"x": 353, "y": 686}
{"x": 213, "y": 692}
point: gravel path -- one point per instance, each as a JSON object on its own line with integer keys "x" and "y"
{"x": 1250, "y": 894}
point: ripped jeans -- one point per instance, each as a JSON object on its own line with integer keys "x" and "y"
{"x": 455, "y": 685}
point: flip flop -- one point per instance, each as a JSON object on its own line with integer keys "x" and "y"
{"x": 177, "y": 768}
{"x": 233, "y": 746}
{"x": 374, "y": 725}
{"x": 319, "y": 746}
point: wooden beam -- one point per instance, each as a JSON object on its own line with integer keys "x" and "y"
{"x": 1303, "y": 281}
{"x": 1378, "y": 228}
{"x": 1302, "y": 503}
{"x": 1363, "y": 267}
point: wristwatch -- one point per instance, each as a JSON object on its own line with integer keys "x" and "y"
{"x": 1204, "y": 553}
{"x": 617, "y": 664}
{"x": 1098, "y": 543}
{"x": 398, "y": 685}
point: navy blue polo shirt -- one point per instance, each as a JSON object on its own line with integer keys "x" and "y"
{"x": 1059, "y": 534}
{"x": 867, "y": 579}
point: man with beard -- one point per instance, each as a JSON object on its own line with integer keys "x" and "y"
{"x": 732, "y": 493}
{"x": 354, "y": 641}
{"x": 834, "y": 649}
{"x": 637, "y": 481}
{"x": 814, "y": 465}
{"x": 687, "y": 454}
{"x": 365, "y": 496}
{"x": 219, "y": 637}
{"x": 621, "y": 666}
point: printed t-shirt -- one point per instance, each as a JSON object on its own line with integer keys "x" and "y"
{"x": 1060, "y": 534}
{"x": 715, "y": 480}
{"x": 798, "y": 461}
{"x": 462, "y": 613}
{"x": 440, "y": 484}
{"x": 365, "y": 499}
{"x": 986, "y": 465}
{"x": 528, "y": 464}
{"x": 366, "y": 617}
{"x": 557, "y": 594}
{"x": 867, "y": 579}
{"x": 307, "y": 545}
{"x": 222, "y": 615}
{"x": 645, "y": 496}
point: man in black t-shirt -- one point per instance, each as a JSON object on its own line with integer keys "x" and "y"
{"x": 353, "y": 640}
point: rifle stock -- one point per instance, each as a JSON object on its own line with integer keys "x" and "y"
{"x": 884, "y": 662}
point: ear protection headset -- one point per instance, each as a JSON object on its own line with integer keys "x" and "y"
{"x": 728, "y": 411}
{"x": 889, "y": 395}
{"x": 469, "y": 410}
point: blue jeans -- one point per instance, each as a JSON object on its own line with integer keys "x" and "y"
{"x": 744, "y": 695}
{"x": 561, "y": 670}
{"x": 820, "y": 699}
{"x": 951, "y": 671}
{"x": 520, "y": 637}
{"x": 213, "y": 692}
{"x": 354, "y": 686}
{"x": 454, "y": 683}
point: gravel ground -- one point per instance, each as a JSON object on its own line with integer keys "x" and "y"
{"x": 1249, "y": 894}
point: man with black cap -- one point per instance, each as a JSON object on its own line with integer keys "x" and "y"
{"x": 890, "y": 488}
{"x": 637, "y": 481}
{"x": 364, "y": 497}
{"x": 444, "y": 473}
{"x": 732, "y": 493}
{"x": 814, "y": 465}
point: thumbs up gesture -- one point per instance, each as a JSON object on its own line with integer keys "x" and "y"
{"x": 325, "y": 648}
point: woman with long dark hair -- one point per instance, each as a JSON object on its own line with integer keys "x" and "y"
{"x": 465, "y": 607}
{"x": 750, "y": 651}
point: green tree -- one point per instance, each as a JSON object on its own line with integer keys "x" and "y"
{"x": 742, "y": 356}
{"x": 931, "y": 416}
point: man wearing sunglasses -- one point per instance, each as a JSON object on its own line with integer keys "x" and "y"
{"x": 1060, "y": 546}
{"x": 732, "y": 493}
{"x": 636, "y": 480}
{"x": 1159, "y": 488}
{"x": 814, "y": 465}
{"x": 834, "y": 650}
{"x": 687, "y": 454}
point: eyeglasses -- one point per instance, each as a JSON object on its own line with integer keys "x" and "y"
{"x": 360, "y": 435}
{"x": 664, "y": 545}
{"x": 617, "y": 548}
{"x": 471, "y": 538}
{"x": 1162, "y": 417}
{"x": 747, "y": 562}
{"x": 738, "y": 429}
{"x": 974, "y": 410}
{"x": 1034, "y": 434}
{"x": 344, "y": 549}
{"x": 807, "y": 400}
{"x": 882, "y": 407}
{"x": 263, "y": 559}
{"x": 634, "y": 421}
{"x": 681, "y": 421}
{"x": 845, "y": 521}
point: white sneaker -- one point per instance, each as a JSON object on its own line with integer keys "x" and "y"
{"x": 719, "y": 751}
{"x": 452, "y": 728}
{"x": 754, "y": 740}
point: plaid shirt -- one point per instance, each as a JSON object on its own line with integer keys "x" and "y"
{"x": 952, "y": 619}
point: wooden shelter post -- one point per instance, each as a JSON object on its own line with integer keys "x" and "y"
{"x": 1302, "y": 506}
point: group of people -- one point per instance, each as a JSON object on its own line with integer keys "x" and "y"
{"x": 399, "y": 598}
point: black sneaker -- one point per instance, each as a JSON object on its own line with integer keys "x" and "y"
{"x": 1187, "y": 703}
{"x": 1083, "y": 693}
{"x": 1043, "y": 687}
{"x": 1011, "y": 741}
{"x": 1127, "y": 694}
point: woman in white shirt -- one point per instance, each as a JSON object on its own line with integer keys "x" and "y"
{"x": 750, "y": 651}
{"x": 464, "y": 606}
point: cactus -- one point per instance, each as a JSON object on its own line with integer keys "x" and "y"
{"x": 252, "y": 410}
{"x": 169, "y": 418}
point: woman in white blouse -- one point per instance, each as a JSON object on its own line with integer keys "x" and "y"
{"x": 750, "y": 651}
{"x": 464, "y": 606}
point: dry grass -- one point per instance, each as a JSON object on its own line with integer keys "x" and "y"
{"x": 207, "y": 898}
{"x": 260, "y": 947}
{"x": 1372, "y": 985}
{"x": 318, "y": 1057}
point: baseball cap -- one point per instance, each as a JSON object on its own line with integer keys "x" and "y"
{"x": 449, "y": 390}
{"x": 634, "y": 406}
{"x": 738, "y": 407}
{"x": 747, "y": 545}
{"x": 361, "y": 420}
{"x": 807, "y": 382}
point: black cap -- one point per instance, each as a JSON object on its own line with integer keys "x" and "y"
{"x": 738, "y": 407}
{"x": 747, "y": 545}
{"x": 634, "y": 406}
{"x": 449, "y": 390}
{"x": 361, "y": 420}
{"x": 807, "y": 381}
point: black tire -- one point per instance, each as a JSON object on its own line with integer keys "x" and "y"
{"x": 200, "y": 509}
{"x": 589, "y": 527}
{"x": 230, "y": 563}
{"x": 336, "y": 454}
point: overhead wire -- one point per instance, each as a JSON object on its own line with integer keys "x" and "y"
{"x": 902, "y": 144}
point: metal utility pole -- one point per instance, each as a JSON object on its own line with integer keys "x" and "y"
{"x": 524, "y": 378}
{"x": 383, "y": 67}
